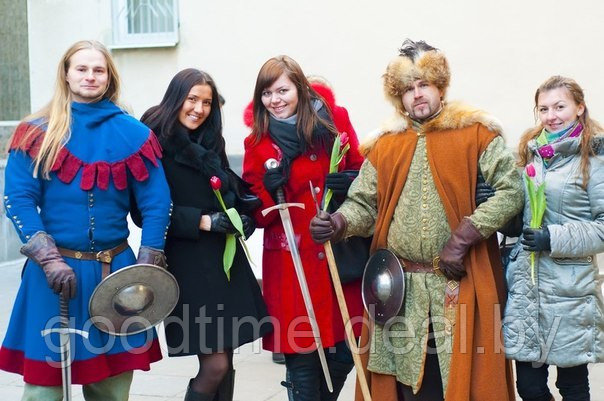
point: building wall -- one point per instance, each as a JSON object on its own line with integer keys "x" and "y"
{"x": 499, "y": 52}
{"x": 14, "y": 65}
{"x": 14, "y": 99}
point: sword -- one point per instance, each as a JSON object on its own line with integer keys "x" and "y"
{"x": 291, "y": 241}
{"x": 65, "y": 346}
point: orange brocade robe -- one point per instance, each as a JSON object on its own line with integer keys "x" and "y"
{"x": 479, "y": 370}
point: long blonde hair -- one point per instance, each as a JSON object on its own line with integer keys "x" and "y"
{"x": 57, "y": 113}
{"x": 591, "y": 127}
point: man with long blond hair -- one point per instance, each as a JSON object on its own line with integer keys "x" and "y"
{"x": 72, "y": 169}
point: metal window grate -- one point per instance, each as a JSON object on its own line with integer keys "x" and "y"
{"x": 145, "y": 23}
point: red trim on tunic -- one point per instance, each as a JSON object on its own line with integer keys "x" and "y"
{"x": 94, "y": 174}
{"x": 41, "y": 373}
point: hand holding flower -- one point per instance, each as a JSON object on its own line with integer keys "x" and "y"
{"x": 537, "y": 203}
{"x": 230, "y": 223}
{"x": 536, "y": 239}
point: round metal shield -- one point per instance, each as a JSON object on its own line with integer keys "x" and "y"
{"x": 133, "y": 299}
{"x": 383, "y": 286}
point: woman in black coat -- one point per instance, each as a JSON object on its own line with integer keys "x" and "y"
{"x": 214, "y": 315}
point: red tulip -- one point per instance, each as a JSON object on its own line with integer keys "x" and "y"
{"x": 215, "y": 183}
{"x": 530, "y": 170}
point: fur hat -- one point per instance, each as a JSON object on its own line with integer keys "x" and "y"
{"x": 417, "y": 60}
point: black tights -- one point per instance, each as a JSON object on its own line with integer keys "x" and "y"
{"x": 531, "y": 382}
{"x": 212, "y": 369}
{"x": 432, "y": 385}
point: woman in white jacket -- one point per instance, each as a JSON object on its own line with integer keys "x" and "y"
{"x": 557, "y": 318}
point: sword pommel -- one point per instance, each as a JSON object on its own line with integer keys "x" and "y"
{"x": 271, "y": 163}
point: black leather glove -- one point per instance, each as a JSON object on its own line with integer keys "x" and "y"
{"x": 327, "y": 227}
{"x": 483, "y": 190}
{"x": 248, "y": 225}
{"x": 41, "y": 249}
{"x": 274, "y": 178}
{"x": 513, "y": 228}
{"x": 536, "y": 239}
{"x": 340, "y": 182}
{"x": 151, "y": 256}
{"x": 220, "y": 223}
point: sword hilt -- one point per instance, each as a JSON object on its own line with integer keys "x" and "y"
{"x": 280, "y": 195}
{"x": 271, "y": 164}
{"x": 64, "y": 310}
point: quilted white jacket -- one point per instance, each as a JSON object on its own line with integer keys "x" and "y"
{"x": 560, "y": 319}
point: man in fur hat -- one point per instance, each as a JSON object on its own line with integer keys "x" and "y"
{"x": 415, "y": 193}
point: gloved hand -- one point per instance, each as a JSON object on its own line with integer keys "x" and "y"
{"x": 41, "y": 248}
{"x": 513, "y": 228}
{"x": 483, "y": 190}
{"x": 327, "y": 227}
{"x": 340, "y": 182}
{"x": 248, "y": 225}
{"x": 454, "y": 251}
{"x": 151, "y": 256}
{"x": 536, "y": 239}
{"x": 274, "y": 178}
{"x": 220, "y": 223}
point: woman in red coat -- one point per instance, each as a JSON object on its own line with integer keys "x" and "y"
{"x": 293, "y": 124}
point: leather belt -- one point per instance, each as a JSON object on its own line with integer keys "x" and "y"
{"x": 105, "y": 257}
{"x": 419, "y": 267}
{"x": 451, "y": 288}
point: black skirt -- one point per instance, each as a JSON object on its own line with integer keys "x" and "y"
{"x": 213, "y": 314}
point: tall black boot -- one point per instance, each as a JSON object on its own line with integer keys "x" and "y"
{"x": 225, "y": 390}
{"x": 195, "y": 396}
{"x": 303, "y": 377}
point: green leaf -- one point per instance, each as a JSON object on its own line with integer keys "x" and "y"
{"x": 219, "y": 196}
{"x": 246, "y": 251}
{"x": 335, "y": 153}
{"x": 229, "y": 254}
{"x": 235, "y": 219}
{"x": 328, "y": 195}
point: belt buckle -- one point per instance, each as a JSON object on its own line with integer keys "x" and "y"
{"x": 103, "y": 256}
{"x": 435, "y": 267}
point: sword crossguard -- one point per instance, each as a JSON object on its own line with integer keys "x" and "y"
{"x": 64, "y": 330}
{"x": 282, "y": 206}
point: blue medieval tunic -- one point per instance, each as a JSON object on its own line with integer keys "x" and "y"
{"x": 108, "y": 158}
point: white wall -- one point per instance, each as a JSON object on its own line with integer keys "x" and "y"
{"x": 499, "y": 52}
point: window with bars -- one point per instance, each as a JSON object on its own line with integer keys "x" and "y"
{"x": 144, "y": 23}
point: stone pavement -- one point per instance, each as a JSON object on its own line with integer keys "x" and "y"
{"x": 257, "y": 377}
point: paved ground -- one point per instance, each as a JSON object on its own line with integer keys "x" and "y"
{"x": 257, "y": 377}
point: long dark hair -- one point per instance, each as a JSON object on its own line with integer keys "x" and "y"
{"x": 307, "y": 116}
{"x": 163, "y": 118}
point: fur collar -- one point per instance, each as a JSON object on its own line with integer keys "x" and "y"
{"x": 455, "y": 115}
{"x": 183, "y": 150}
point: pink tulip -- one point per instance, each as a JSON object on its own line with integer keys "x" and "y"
{"x": 215, "y": 183}
{"x": 530, "y": 171}
{"x": 343, "y": 139}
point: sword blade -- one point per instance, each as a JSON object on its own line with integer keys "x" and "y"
{"x": 65, "y": 348}
{"x": 291, "y": 241}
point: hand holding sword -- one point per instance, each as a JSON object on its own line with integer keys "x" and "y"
{"x": 334, "y": 230}
{"x": 288, "y": 228}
